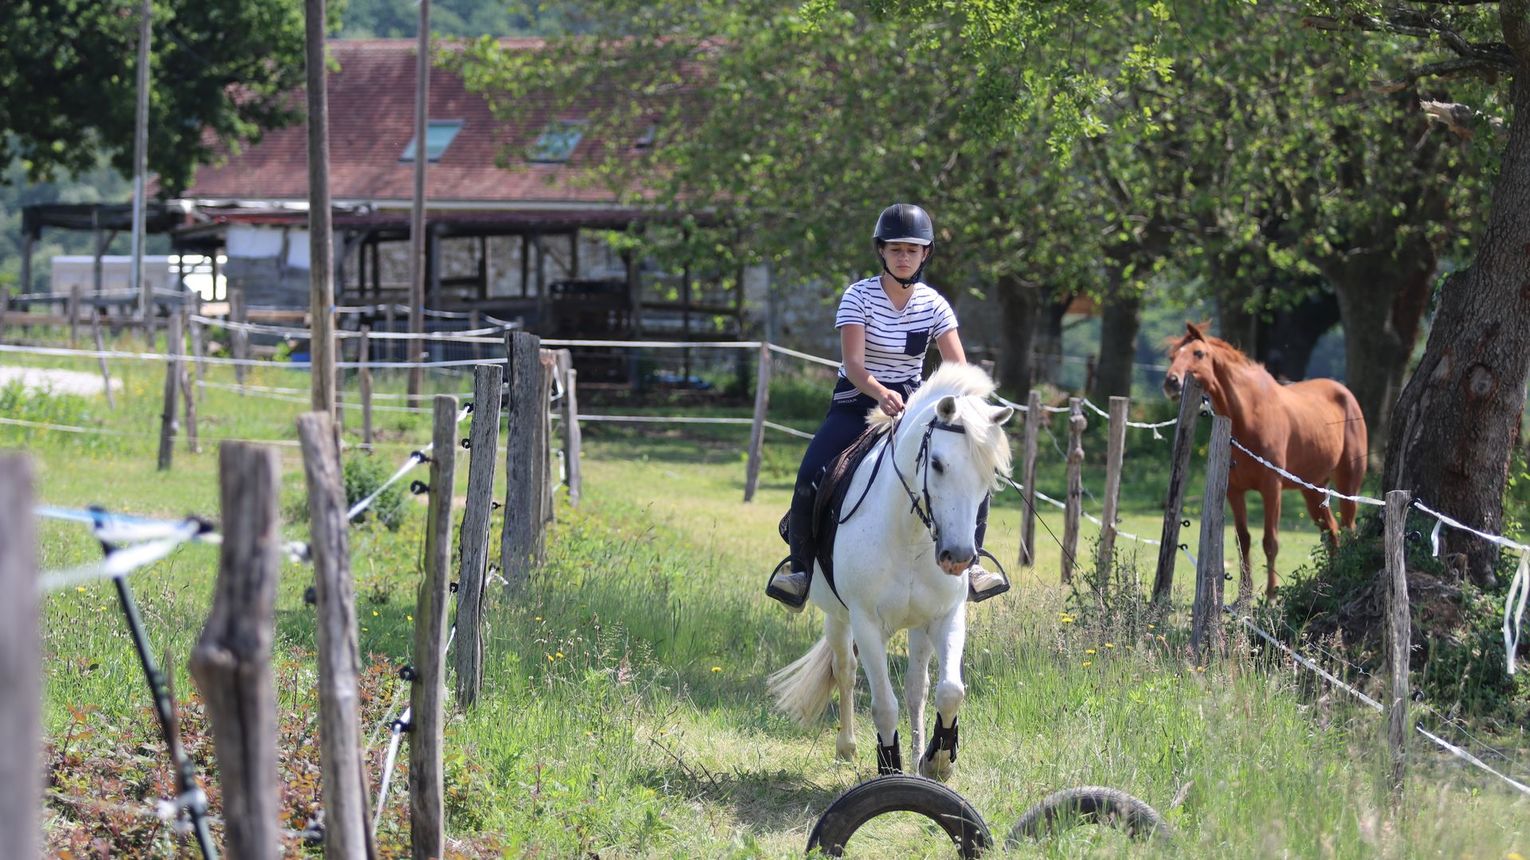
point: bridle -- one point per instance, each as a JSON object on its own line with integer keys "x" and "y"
{"x": 920, "y": 502}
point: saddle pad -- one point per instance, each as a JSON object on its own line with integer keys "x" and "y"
{"x": 830, "y": 501}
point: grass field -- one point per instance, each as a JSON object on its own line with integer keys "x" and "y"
{"x": 624, "y": 712}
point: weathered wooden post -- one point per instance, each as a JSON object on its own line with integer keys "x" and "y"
{"x": 197, "y": 353}
{"x": 344, "y": 779}
{"x": 1399, "y": 635}
{"x": 572, "y": 437}
{"x": 427, "y": 831}
{"x": 231, "y": 662}
{"x": 521, "y": 540}
{"x": 168, "y": 422}
{"x": 757, "y": 429}
{"x": 74, "y": 316}
{"x": 189, "y": 399}
{"x": 483, "y": 447}
{"x": 21, "y": 778}
{"x": 1206, "y": 615}
{"x": 1028, "y": 472}
{"x": 549, "y": 363}
{"x": 1174, "y": 501}
{"x": 1075, "y": 498}
{"x": 1115, "y": 451}
{"x": 238, "y": 335}
{"x": 364, "y": 358}
{"x": 106, "y": 377}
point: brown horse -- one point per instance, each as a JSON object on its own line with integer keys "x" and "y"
{"x": 1313, "y": 429}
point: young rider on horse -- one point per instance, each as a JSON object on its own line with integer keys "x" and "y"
{"x": 885, "y": 327}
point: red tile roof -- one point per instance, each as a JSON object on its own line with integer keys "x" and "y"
{"x": 371, "y": 121}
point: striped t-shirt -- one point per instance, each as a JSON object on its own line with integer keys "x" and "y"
{"x": 895, "y": 340}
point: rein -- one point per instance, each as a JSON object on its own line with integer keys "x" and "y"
{"x": 920, "y": 507}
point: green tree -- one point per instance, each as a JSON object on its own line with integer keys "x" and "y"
{"x": 220, "y": 69}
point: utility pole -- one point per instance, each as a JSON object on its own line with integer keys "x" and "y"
{"x": 417, "y": 217}
{"x": 321, "y": 250}
{"x": 145, "y": 291}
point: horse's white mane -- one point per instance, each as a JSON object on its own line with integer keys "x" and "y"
{"x": 971, "y": 387}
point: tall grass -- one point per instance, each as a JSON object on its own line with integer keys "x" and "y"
{"x": 624, "y": 712}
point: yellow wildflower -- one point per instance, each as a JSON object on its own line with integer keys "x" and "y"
{"x": 1110, "y": 644}
{"x": 1088, "y": 650}
{"x": 716, "y": 668}
{"x": 1088, "y": 663}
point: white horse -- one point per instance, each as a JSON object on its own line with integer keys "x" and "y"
{"x": 900, "y": 562}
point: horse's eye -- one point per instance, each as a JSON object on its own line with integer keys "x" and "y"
{"x": 937, "y": 465}
{"x": 1200, "y": 353}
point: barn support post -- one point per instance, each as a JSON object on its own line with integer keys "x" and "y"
{"x": 1174, "y": 501}
{"x": 1074, "y": 500}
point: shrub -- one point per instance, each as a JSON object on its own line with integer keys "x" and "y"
{"x": 363, "y": 475}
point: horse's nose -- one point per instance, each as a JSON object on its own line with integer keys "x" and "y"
{"x": 955, "y": 559}
{"x": 1171, "y": 385}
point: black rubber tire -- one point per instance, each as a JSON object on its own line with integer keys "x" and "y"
{"x": 1093, "y": 804}
{"x": 900, "y": 792}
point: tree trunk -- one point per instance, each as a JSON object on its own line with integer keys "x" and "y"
{"x": 1120, "y": 319}
{"x": 1020, "y": 302}
{"x": 1286, "y": 344}
{"x": 1381, "y": 325}
{"x": 1048, "y": 343}
{"x": 1453, "y": 425}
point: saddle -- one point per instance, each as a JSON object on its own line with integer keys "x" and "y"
{"x": 828, "y": 501}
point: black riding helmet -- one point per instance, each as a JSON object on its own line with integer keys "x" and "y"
{"x": 903, "y": 222}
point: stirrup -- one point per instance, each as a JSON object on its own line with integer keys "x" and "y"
{"x": 975, "y": 596}
{"x": 794, "y": 602}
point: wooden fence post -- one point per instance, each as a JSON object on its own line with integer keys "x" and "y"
{"x": 427, "y": 831}
{"x": 1033, "y": 418}
{"x": 21, "y": 778}
{"x": 189, "y": 398}
{"x": 1115, "y": 451}
{"x": 239, "y": 338}
{"x": 344, "y": 778}
{"x": 548, "y": 361}
{"x": 483, "y": 447}
{"x": 197, "y": 353}
{"x": 364, "y": 358}
{"x": 106, "y": 377}
{"x": 168, "y": 421}
{"x": 1206, "y": 615}
{"x": 1399, "y": 634}
{"x": 572, "y": 437}
{"x": 1174, "y": 501}
{"x": 521, "y": 540}
{"x": 74, "y": 316}
{"x": 1075, "y": 497}
{"x": 757, "y": 429}
{"x": 231, "y": 662}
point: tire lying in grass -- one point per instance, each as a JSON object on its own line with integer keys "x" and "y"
{"x": 1089, "y": 804}
{"x": 900, "y": 792}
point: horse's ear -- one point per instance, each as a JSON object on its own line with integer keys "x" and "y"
{"x": 1194, "y": 332}
{"x": 1002, "y": 414}
{"x": 946, "y": 408}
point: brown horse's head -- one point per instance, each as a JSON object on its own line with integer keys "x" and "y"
{"x": 1190, "y": 355}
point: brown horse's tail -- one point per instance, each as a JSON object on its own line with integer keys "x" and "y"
{"x": 1350, "y": 471}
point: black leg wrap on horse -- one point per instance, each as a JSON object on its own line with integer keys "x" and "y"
{"x": 889, "y": 760}
{"x": 943, "y": 739}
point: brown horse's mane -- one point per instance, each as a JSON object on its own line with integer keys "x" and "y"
{"x": 1230, "y": 352}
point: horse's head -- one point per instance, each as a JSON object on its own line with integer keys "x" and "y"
{"x": 951, "y": 452}
{"x": 1188, "y": 356}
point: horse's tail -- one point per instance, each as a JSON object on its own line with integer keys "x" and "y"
{"x": 802, "y": 689}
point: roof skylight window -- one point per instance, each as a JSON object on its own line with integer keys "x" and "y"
{"x": 439, "y": 134}
{"x": 556, "y": 142}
